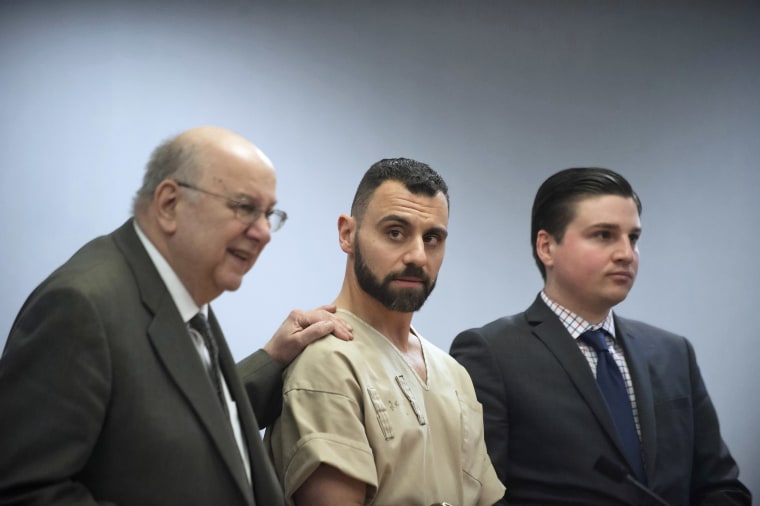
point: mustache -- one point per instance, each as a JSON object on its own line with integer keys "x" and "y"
{"x": 411, "y": 271}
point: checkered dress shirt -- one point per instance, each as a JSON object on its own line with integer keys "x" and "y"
{"x": 576, "y": 326}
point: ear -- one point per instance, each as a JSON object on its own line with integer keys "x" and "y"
{"x": 346, "y": 230}
{"x": 165, "y": 201}
{"x": 545, "y": 245}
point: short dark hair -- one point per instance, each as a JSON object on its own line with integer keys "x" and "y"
{"x": 557, "y": 198}
{"x": 416, "y": 176}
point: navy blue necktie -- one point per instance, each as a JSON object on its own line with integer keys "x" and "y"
{"x": 200, "y": 324}
{"x": 612, "y": 385}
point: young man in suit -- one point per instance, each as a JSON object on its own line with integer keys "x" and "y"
{"x": 112, "y": 388}
{"x": 553, "y": 404}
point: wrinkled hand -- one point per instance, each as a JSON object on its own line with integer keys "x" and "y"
{"x": 301, "y": 328}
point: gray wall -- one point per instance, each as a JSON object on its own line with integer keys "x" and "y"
{"x": 495, "y": 95}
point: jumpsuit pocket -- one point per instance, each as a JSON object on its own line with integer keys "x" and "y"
{"x": 471, "y": 422}
{"x": 382, "y": 413}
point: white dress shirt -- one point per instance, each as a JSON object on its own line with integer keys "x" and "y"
{"x": 187, "y": 309}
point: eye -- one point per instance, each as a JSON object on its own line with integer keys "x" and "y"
{"x": 245, "y": 209}
{"x": 603, "y": 234}
{"x": 433, "y": 239}
{"x": 634, "y": 238}
{"x": 395, "y": 233}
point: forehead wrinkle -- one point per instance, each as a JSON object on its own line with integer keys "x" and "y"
{"x": 405, "y": 207}
{"x": 404, "y": 220}
{"x": 413, "y": 218}
{"x": 392, "y": 201}
{"x": 394, "y": 218}
{"x": 256, "y": 184}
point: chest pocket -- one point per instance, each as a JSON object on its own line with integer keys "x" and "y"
{"x": 400, "y": 399}
{"x": 382, "y": 413}
{"x": 410, "y": 397}
{"x": 471, "y": 413}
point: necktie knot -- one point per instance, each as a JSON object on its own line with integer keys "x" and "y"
{"x": 597, "y": 339}
{"x": 199, "y": 323}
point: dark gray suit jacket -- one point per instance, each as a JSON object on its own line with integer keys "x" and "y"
{"x": 546, "y": 422}
{"x": 104, "y": 399}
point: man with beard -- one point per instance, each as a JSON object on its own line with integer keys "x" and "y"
{"x": 388, "y": 418}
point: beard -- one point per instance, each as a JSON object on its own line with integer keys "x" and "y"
{"x": 404, "y": 300}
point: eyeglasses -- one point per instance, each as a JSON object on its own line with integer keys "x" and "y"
{"x": 244, "y": 211}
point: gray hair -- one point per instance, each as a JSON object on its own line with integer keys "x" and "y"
{"x": 175, "y": 158}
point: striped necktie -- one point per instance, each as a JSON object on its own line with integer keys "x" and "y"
{"x": 200, "y": 324}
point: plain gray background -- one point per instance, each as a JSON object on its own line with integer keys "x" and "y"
{"x": 495, "y": 95}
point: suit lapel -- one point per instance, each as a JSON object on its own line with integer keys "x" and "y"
{"x": 266, "y": 486}
{"x": 174, "y": 347}
{"x": 549, "y": 329}
{"x": 637, "y": 359}
{"x": 176, "y": 352}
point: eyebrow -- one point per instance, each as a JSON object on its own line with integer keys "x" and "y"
{"x": 244, "y": 198}
{"x": 394, "y": 218}
{"x": 439, "y": 230}
{"x": 404, "y": 221}
{"x": 611, "y": 226}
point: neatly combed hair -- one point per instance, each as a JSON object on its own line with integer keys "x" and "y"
{"x": 172, "y": 159}
{"x": 556, "y": 200}
{"x": 416, "y": 176}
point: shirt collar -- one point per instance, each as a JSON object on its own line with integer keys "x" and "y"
{"x": 575, "y": 324}
{"x": 185, "y": 305}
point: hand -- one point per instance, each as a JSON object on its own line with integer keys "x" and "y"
{"x": 301, "y": 328}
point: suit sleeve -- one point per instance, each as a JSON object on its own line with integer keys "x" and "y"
{"x": 54, "y": 391}
{"x": 474, "y": 352}
{"x": 714, "y": 472}
{"x": 262, "y": 377}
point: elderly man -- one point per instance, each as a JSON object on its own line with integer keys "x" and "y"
{"x": 116, "y": 384}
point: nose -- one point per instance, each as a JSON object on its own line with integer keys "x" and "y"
{"x": 625, "y": 251}
{"x": 259, "y": 230}
{"x": 416, "y": 254}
